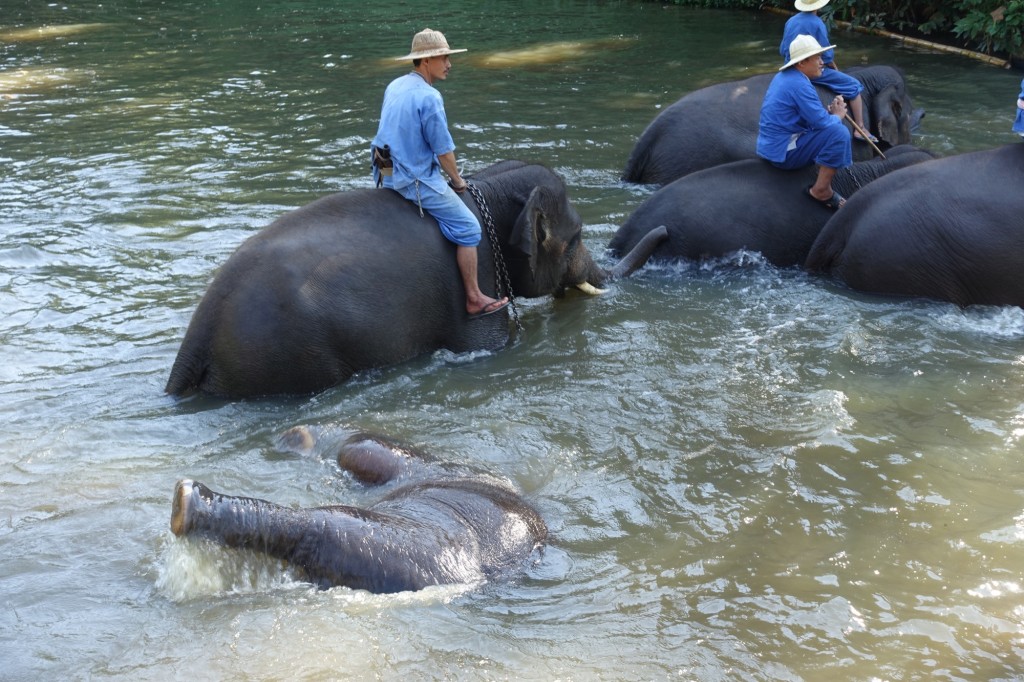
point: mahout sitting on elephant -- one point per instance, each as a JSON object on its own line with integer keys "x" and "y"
{"x": 719, "y": 123}
{"x": 439, "y": 525}
{"x": 949, "y": 229}
{"x": 749, "y": 205}
{"x": 360, "y": 280}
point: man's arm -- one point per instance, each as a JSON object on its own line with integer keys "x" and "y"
{"x": 451, "y": 169}
{"x": 813, "y": 113}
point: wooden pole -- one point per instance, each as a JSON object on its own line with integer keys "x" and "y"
{"x": 865, "y": 134}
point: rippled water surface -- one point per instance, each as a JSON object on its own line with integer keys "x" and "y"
{"x": 748, "y": 473}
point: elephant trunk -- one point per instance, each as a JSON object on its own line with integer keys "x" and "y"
{"x": 639, "y": 254}
{"x": 588, "y": 276}
{"x": 631, "y": 262}
{"x": 582, "y": 272}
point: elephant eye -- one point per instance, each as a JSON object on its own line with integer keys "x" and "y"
{"x": 576, "y": 240}
{"x": 897, "y": 109}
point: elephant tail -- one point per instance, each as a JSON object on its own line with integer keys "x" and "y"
{"x": 826, "y": 251}
{"x": 187, "y": 373}
{"x": 638, "y": 165}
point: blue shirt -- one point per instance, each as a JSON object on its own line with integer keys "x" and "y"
{"x": 791, "y": 106}
{"x": 806, "y": 23}
{"x": 1018, "y": 122}
{"x": 413, "y": 124}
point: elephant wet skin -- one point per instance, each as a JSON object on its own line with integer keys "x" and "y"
{"x": 359, "y": 280}
{"x": 718, "y": 124}
{"x": 951, "y": 230}
{"x": 749, "y": 205}
{"x": 437, "y": 527}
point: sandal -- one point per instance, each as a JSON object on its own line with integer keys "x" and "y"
{"x": 834, "y": 203}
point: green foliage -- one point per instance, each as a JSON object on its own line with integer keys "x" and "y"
{"x": 983, "y": 25}
{"x": 990, "y": 26}
{"x": 718, "y": 4}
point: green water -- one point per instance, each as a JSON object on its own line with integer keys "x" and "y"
{"x": 748, "y": 473}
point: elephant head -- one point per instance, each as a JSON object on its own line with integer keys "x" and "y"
{"x": 546, "y": 245}
{"x": 888, "y": 109}
{"x": 545, "y": 252}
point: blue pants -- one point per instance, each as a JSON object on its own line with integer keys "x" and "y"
{"x": 839, "y": 83}
{"x": 826, "y": 147}
{"x": 457, "y": 222}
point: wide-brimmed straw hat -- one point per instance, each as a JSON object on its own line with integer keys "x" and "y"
{"x": 802, "y": 47}
{"x": 428, "y": 43}
{"x": 802, "y": 6}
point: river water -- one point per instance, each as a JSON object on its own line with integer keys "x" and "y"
{"x": 749, "y": 473}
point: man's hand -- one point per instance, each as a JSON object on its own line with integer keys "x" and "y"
{"x": 838, "y": 107}
{"x": 451, "y": 169}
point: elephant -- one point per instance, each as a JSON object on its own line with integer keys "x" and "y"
{"x": 750, "y": 205}
{"x": 360, "y": 279}
{"x": 718, "y": 124}
{"x": 436, "y": 527}
{"x": 949, "y": 230}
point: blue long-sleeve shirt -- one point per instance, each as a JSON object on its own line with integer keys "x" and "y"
{"x": 791, "y": 106}
{"x": 1018, "y": 123}
{"x": 806, "y": 23}
{"x": 414, "y": 125}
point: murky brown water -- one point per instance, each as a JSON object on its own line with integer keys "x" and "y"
{"x": 749, "y": 473}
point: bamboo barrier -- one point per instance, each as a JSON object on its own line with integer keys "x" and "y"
{"x": 917, "y": 42}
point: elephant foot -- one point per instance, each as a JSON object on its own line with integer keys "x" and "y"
{"x": 188, "y": 495}
{"x": 299, "y": 439}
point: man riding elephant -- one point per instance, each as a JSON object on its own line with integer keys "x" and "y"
{"x": 705, "y": 223}
{"x": 718, "y": 124}
{"x": 357, "y": 280}
{"x": 414, "y": 131}
{"x": 807, "y": 22}
{"x": 795, "y": 130}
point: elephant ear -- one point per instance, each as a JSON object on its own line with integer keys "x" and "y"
{"x": 531, "y": 230}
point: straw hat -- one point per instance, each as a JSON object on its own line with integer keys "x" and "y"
{"x": 802, "y": 47}
{"x": 805, "y": 6}
{"x": 428, "y": 43}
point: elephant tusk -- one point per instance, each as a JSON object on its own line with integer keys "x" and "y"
{"x": 588, "y": 288}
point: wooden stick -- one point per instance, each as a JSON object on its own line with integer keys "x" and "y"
{"x": 865, "y": 134}
{"x": 916, "y": 42}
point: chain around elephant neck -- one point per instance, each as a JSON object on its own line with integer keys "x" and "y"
{"x": 501, "y": 278}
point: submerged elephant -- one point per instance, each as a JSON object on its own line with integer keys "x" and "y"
{"x": 951, "y": 229}
{"x": 359, "y": 280}
{"x": 439, "y": 527}
{"x": 748, "y": 205}
{"x": 718, "y": 124}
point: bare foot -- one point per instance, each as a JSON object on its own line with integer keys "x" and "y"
{"x": 180, "y": 507}
{"x": 189, "y": 495}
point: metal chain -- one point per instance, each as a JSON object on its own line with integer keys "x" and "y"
{"x": 501, "y": 278}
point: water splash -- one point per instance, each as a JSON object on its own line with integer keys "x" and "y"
{"x": 992, "y": 321}
{"x": 189, "y": 569}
